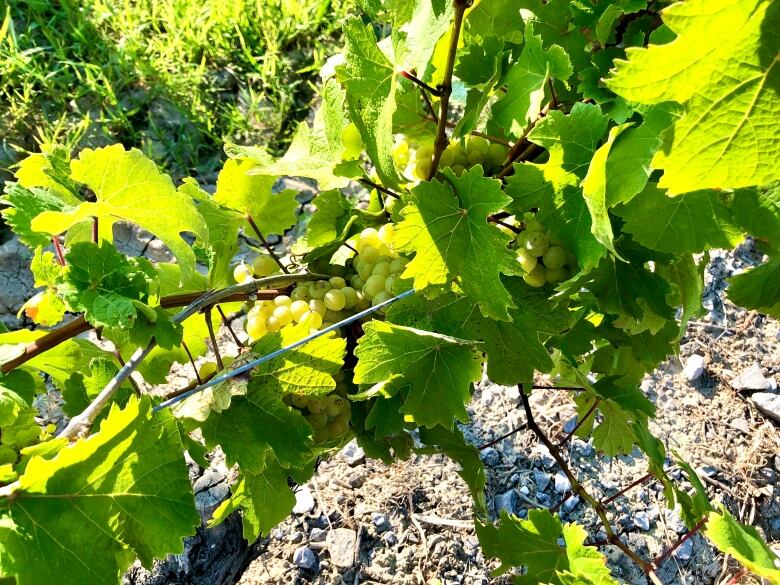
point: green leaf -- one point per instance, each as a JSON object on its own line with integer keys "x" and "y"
{"x": 265, "y": 499}
{"x": 51, "y": 172}
{"x": 129, "y": 187}
{"x": 80, "y": 390}
{"x": 497, "y": 18}
{"x": 121, "y": 494}
{"x": 743, "y": 543}
{"x": 758, "y": 289}
{"x": 727, "y": 137}
{"x": 253, "y": 195}
{"x": 329, "y": 220}
{"x": 428, "y": 23}
{"x": 316, "y": 152}
{"x": 24, "y": 205}
{"x": 534, "y": 544}
{"x": 370, "y": 81}
{"x": 526, "y": 80}
{"x": 757, "y": 211}
{"x": 691, "y": 223}
{"x": 481, "y": 68}
{"x": 438, "y": 370}
{"x": 445, "y": 225}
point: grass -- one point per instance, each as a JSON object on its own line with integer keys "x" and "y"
{"x": 176, "y": 78}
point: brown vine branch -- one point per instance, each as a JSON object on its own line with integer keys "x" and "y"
{"x": 488, "y": 137}
{"x": 95, "y": 224}
{"x": 440, "y": 143}
{"x": 522, "y": 148}
{"x": 630, "y": 486}
{"x": 192, "y": 361}
{"x": 58, "y": 250}
{"x": 567, "y": 388}
{"x": 213, "y": 337}
{"x": 511, "y": 227}
{"x": 502, "y": 437}
{"x": 378, "y": 187}
{"x": 265, "y": 244}
{"x": 229, "y": 327}
{"x": 668, "y": 552}
{"x": 580, "y": 422}
{"x": 414, "y": 79}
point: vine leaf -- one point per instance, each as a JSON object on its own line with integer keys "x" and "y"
{"x": 24, "y": 205}
{"x": 743, "y": 543}
{"x": 480, "y": 67}
{"x": 316, "y": 152}
{"x": 693, "y": 223}
{"x": 49, "y": 171}
{"x": 370, "y": 80}
{"x": 437, "y": 370}
{"x": 427, "y": 24}
{"x": 265, "y": 499}
{"x": 758, "y": 211}
{"x": 547, "y": 549}
{"x": 329, "y": 220}
{"x": 497, "y": 18}
{"x": 758, "y": 289}
{"x": 123, "y": 493}
{"x": 526, "y": 81}
{"x": 81, "y": 389}
{"x": 445, "y": 226}
{"x": 129, "y": 187}
{"x": 253, "y": 195}
{"x": 726, "y": 138}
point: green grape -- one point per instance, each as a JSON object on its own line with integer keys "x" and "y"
{"x": 311, "y": 319}
{"x": 476, "y": 149}
{"x": 447, "y": 158}
{"x": 264, "y": 265}
{"x": 556, "y": 275}
{"x": 332, "y": 316}
{"x": 282, "y": 301}
{"x": 335, "y": 405}
{"x": 228, "y": 360}
{"x": 554, "y": 239}
{"x": 422, "y": 169}
{"x": 389, "y": 281}
{"x": 386, "y": 233}
{"x": 242, "y": 273}
{"x": 298, "y": 308}
{"x": 554, "y": 258}
{"x": 353, "y": 143}
{"x": 350, "y": 297}
{"x": 365, "y": 271}
{"x": 400, "y": 152}
{"x": 380, "y": 298}
{"x": 357, "y": 282}
{"x": 368, "y": 237}
{"x": 207, "y": 369}
{"x": 337, "y": 282}
{"x": 496, "y": 154}
{"x": 527, "y": 261}
{"x": 317, "y": 421}
{"x": 363, "y": 301}
{"x": 273, "y": 324}
{"x": 369, "y": 255}
{"x": 317, "y": 404}
{"x": 318, "y": 289}
{"x": 335, "y": 300}
{"x": 300, "y": 293}
{"x": 336, "y": 428}
{"x": 283, "y": 315}
{"x": 342, "y": 389}
{"x": 300, "y": 401}
{"x": 375, "y": 284}
{"x": 537, "y": 243}
{"x": 424, "y": 151}
{"x": 390, "y": 204}
{"x": 536, "y": 277}
{"x": 320, "y": 435}
{"x": 318, "y": 306}
{"x": 532, "y": 224}
{"x": 255, "y": 327}
{"x": 458, "y": 169}
{"x": 382, "y": 269}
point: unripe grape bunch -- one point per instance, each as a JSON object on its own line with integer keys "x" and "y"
{"x": 328, "y": 415}
{"x": 415, "y": 159}
{"x": 541, "y": 255}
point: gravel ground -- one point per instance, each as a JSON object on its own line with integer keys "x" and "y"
{"x": 360, "y": 521}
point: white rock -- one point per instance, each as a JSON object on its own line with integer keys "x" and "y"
{"x": 304, "y": 501}
{"x": 341, "y": 546}
{"x": 562, "y": 483}
{"x": 505, "y": 501}
{"x": 642, "y": 521}
{"x": 750, "y": 379}
{"x": 353, "y": 454}
{"x": 694, "y": 367}
{"x": 512, "y": 393}
{"x": 304, "y": 558}
{"x": 768, "y": 403}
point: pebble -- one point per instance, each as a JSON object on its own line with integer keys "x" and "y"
{"x": 570, "y": 425}
{"x": 544, "y": 454}
{"x": 740, "y": 424}
{"x": 304, "y": 501}
{"x": 304, "y": 558}
{"x": 541, "y": 497}
{"x": 317, "y": 535}
{"x": 390, "y": 538}
{"x": 524, "y": 490}
{"x": 541, "y": 479}
{"x": 341, "y": 546}
{"x": 571, "y": 503}
{"x": 505, "y": 501}
{"x": 642, "y": 521}
{"x": 381, "y": 522}
{"x": 685, "y": 550}
{"x": 490, "y": 457}
{"x": 694, "y": 367}
{"x": 512, "y": 393}
{"x": 357, "y": 478}
{"x": 562, "y": 483}
{"x": 768, "y": 475}
{"x": 585, "y": 449}
{"x": 768, "y": 404}
{"x": 296, "y": 536}
{"x": 353, "y": 454}
{"x": 750, "y": 379}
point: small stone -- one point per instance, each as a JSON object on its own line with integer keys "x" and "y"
{"x": 750, "y": 379}
{"x": 304, "y": 501}
{"x": 512, "y": 393}
{"x": 768, "y": 475}
{"x": 353, "y": 454}
{"x": 772, "y": 384}
{"x": 304, "y": 558}
{"x": 675, "y": 522}
{"x": 317, "y": 535}
{"x": 544, "y": 454}
{"x": 570, "y": 425}
{"x": 490, "y": 457}
{"x": 571, "y": 503}
{"x": 642, "y": 521}
{"x": 740, "y": 424}
{"x": 357, "y": 478}
{"x": 562, "y": 483}
{"x": 505, "y": 501}
{"x": 541, "y": 497}
{"x": 296, "y": 536}
{"x": 341, "y": 546}
{"x": 685, "y": 550}
{"x": 584, "y": 448}
{"x": 542, "y": 480}
{"x": 381, "y": 522}
{"x": 524, "y": 490}
{"x": 768, "y": 404}
{"x": 694, "y": 367}
{"x": 390, "y": 538}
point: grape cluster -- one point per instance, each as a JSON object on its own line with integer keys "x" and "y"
{"x": 542, "y": 255}
{"x": 262, "y": 265}
{"x": 416, "y": 159}
{"x": 329, "y": 415}
{"x": 376, "y": 264}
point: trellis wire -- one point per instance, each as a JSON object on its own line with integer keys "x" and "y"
{"x": 281, "y": 351}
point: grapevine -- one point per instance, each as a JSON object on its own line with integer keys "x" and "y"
{"x": 541, "y": 179}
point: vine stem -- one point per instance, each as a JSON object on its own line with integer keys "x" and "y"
{"x": 58, "y": 250}
{"x": 229, "y": 327}
{"x": 668, "y": 552}
{"x": 265, "y": 244}
{"x": 521, "y": 147}
{"x": 192, "y": 361}
{"x": 213, "y": 337}
{"x": 83, "y": 420}
{"x": 378, "y": 187}
{"x": 446, "y": 87}
{"x": 434, "y": 118}
{"x": 579, "y": 489}
{"x": 580, "y": 422}
{"x": 414, "y": 79}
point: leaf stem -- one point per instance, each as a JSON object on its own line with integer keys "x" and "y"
{"x": 229, "y": 327}
{"x": 213, "y": 337}
{"x": 265, "y": 244}
{"x": 95, "y": 229}
{"x": 502, "y": 437}
{"x": 414, "y": 79}
{"x": 441, "y": 141}
{"x": 668, "y": 552}
{"x": 633, "y": 484}
{"x": 192, "y": 361}
{"x": 378, "y": 187}
{"x": 580, "y": 422}
{"x": 58, "y": 250}
{"x": 522, "y": 147}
